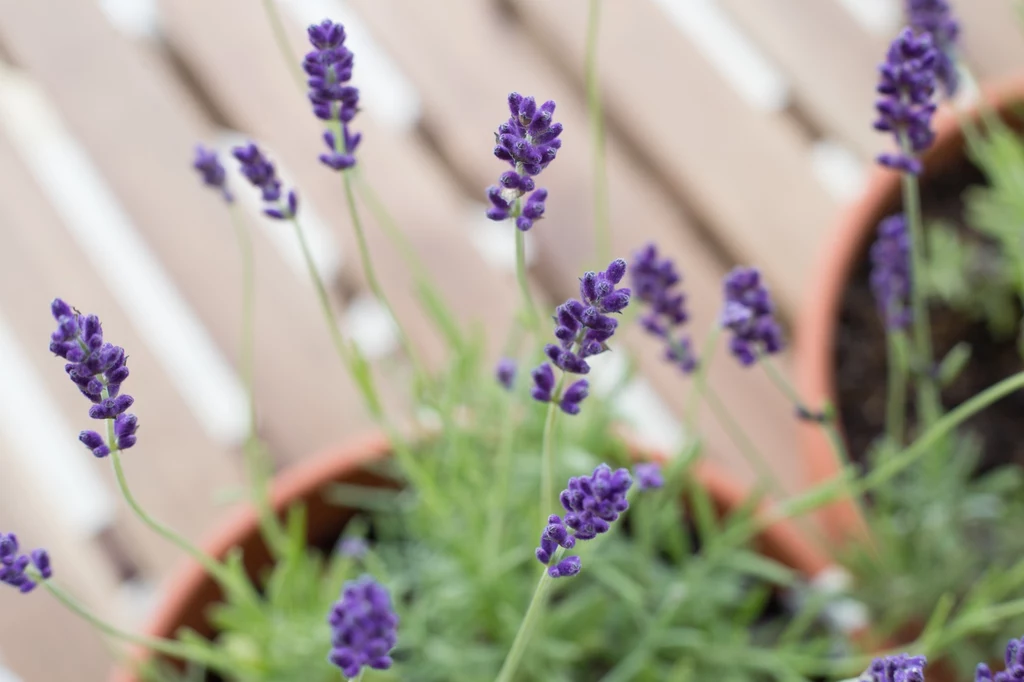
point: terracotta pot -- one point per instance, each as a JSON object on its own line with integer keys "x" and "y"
{"x": 189, "y": 591}
{"x": 817, "y": 324}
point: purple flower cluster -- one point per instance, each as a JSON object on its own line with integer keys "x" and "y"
{"x": 13, "y": 564}
{"x": 528, "y": 141}
{"x": 98, "y": 368}
{"x": 364, "y": 628}
{"x": 654, "y": 281}
{"x": 898, "y": 668}
{"x": 329, "y": 67}
{"x": 935, "y": 17}
{"x": 263, "y": 176}
{"x": 750, "y": 316}
{"x": 211, "y": 171}
{"x": 905, "y": 108}
{"x": 583, "y": 328}
{"x": 648, "y": 476}
{"x": 592, "y": 503}
{"x": 1014, "y": 671}
{"x": 505, "y": 372}
{"x": 890, "y": 272}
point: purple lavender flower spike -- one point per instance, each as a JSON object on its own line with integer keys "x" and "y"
{"x": 528, "y": 141}
{"x": 654, "y": 283}
{"x": 329, "y": 70}
{"x": 566, "y": 568}
{"x": 1014, "y": 660}
{"x": 583, "y": 328}
{"x": 898, "y": 668}
{"x": 364, "y": 628}
{"x": 98, "y": 369}
{"x": 14, "y": 564}
{"x": 506, "y": 373}
{"x": 890, "y": 272}
{"x": 648, "y": 476}
{"x": 935, "y": 17}
{"x": 211, "y": 171}
{"x": 750, "y": 316}
{"x": 258, "y": 169}
{"x": 905, "y": 108}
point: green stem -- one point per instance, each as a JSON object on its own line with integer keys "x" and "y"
{"x": 503, "y": 468}
{"x": 163, "y": 646}
{"x": 743, "y": 443}
{"x": 700, "y": 379}
{"x": 529, "y": 307}
{"x": 602, "y": 222}
{"x": 896, "y": 395}
{"x": 526, "y": 628}
{"x": 256, "y": 463}
{"x": 928, "y": 406}
{"x": 370, "y": 272}
{"x": 547, "y": 465}
{"x": 283, "y": 44}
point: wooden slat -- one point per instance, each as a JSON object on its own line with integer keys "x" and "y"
{"x": 829, "y": 60}
{"x": 174, "y": 460}
{"x": 746, "y": 172}
{"x": 464, "y": 83}
{"x": 992, "y": 35}
{"x": 251, "y": 85}
{"x": 139, "y": 124}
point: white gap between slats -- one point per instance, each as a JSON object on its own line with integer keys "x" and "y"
{"x": 880, "y": 17}
{"x": 393, "y": 99}
{"x": 738, "y": 59}
{"x": 135, "y": 18}
{"x": 138, "y": 282}
{"x": 44, "y": 446}
{"x": 6, "y": 674}
{"x": 838, "y": 169}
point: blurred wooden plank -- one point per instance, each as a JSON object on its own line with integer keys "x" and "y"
{"x": 993, "y": 36}
{"x": 139, "y": 124}
{"x": 746, "y": 172}
{"x": 174, "y": 459}
{"x": 464, "y": 84}
{"x": 253, "y": 88}
{"x": 829, "y": 60}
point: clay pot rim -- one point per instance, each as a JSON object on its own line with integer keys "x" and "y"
{"x": 781, "y": 541}
{"x": 815, "y": 334}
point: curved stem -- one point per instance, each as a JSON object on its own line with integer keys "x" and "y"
{"x": 743, "y": 443}
{"x": 896, "y": 395}
{"x": 163, "y": 646}
{"x": 547, "y": 465}
{"x": 700, "y": 379}
{"x": 529, "y": 307}
{"x": 526, "y": 628}
{"x": 602, "y": 223}
{"x": 283, "y": 44}
{"x": 256, "y": 463}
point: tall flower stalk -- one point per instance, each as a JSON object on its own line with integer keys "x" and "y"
{"x": 595, "y": 112}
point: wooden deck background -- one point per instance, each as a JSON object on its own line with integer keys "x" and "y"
{"x": 737, "y": 130}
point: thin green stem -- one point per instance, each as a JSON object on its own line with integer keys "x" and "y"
{"x": 739, "y": 437}
{"x": 370, "y": 272}
{"x": 700, "y": 379}
{"x": 547, "y": 463}
{"x": 256, "y": 463}
{"x": 529, "y": 307}
{"x": 928, "y": 406}
{"x": 283, "y": 44}
{"x": 163, "y": 646}
{"x": 503, "y": 469}
{"x": 896, "y": 395}
{"x": 602, "y": 221}
{"x": 526, "y": 628}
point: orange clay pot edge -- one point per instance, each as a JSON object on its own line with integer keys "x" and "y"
{"x": 816, "y": 326}
{"x": 781, "y": 542}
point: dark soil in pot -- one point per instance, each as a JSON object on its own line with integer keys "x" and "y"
{"x": 861, "y": 357}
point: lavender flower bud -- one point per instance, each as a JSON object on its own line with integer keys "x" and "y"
{"x": 898, "y": 668}
{"x": 263, "y": 176}
{"x": 750, "y": 315}
{"x": 353, "y": 548}
{"x": 364, "y": 628}
{"x": 890, "y": 272}
{"x": 506, "y": 373}
{"x": 13, "y": 564}
{"x": 533, "y": 210}
{"x": 94, "y": 442}
{"x": 211, "y": 171}
{"x": 41, "y": 560}
{"x": 654, "y": 282}
{"x": 543, "y": 383}
{"x": 935, "y": 17}
{"x": 648, "y": 476}
{"x": 8, "y": 548}
{"x": 125, "y": 426}
{"x": 566, "y": 568}
{"x": 905, "y": 108}
{"x": 573, "y": 396}
{"x": 329, "y": 67}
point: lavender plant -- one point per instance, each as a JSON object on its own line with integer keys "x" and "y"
{"x": 641, "y": 577}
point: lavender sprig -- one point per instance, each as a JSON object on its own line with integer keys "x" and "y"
{"x": 935, "y": 17}
{"x": 329, "y": 70}
{"x": 1014, "y": 661}
{"x": 207, "y": 163}
{"x": 905, "y": 108}
{"x": 897, "y": 668}
{"x": 363, "y": 628}
{"x": 654, "y": 283}
{"x": 750, "y": 315}
{"x": 890, "y": 272}
{"x": 505, "y": 372}
{"x": 14, "y": 564}
{"x": 258, "y": 169}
